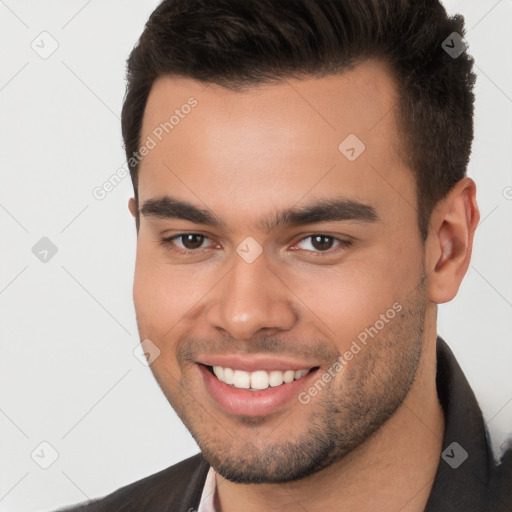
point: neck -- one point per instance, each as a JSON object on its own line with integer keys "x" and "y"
{"x": 392, "y": 470}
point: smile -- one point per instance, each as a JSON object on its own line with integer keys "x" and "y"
{"x": 257, "y": 380}
{"x": 255, "y": 392}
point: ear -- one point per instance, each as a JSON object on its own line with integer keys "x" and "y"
{"x": 450, "y": 240}
{"x": 132, "y": 206}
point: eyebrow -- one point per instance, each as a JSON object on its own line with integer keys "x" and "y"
{"x": 324, "y": 210}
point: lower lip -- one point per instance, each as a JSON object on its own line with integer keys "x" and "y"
{"x": 244, "y": 402}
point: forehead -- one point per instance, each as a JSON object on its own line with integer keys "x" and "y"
{"x": 269, "y": 142}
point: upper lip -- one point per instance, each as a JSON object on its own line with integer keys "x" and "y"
{"x": 253, "y": 364}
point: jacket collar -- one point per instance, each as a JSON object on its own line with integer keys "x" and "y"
{"x": 459, "y": 487}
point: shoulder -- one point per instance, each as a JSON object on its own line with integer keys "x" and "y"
{"x": 173, "y": 488}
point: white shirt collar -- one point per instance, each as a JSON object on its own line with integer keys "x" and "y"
{"x": 207, "y": 502}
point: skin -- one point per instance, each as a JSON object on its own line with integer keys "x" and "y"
{"x": 246, "y": 155}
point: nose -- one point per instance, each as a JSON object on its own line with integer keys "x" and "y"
{"x": 251, "y": 298}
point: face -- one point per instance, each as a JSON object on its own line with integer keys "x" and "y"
{"x": 272, "y": 241}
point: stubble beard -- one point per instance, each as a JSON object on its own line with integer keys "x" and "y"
{"x": 345, "y": 413}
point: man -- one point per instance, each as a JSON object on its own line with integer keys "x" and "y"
{"x": 302, "y": 207}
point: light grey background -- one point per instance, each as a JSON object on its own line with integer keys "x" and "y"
{"x": 68, "y": 375}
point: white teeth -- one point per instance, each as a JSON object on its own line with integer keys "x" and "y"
{"x": 258, "y": 380}
{"x": 288, "y": 376}
{"x": 228, "y": 376}
{"x": 241, "y": 379}
{"x": 219, "y": 371}
{"x": 275, "y": 378}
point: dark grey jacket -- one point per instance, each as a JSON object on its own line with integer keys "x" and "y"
{"x": 476, "y": 485}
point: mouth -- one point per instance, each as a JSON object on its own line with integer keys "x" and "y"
{"x": 258, "y": 380}
{"x": 257, "y": 392}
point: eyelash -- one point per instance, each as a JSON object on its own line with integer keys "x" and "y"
{"x": 167, "y": 244}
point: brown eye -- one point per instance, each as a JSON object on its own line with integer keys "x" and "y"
{"x": 184, "y": 243}
{"x": 319, "y": 244}
{"x": 192, "y": 241}
{"x": 322, "y": 242}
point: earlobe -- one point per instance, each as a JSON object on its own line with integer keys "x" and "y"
{"x": 132, "y": 206}
{"x": 450, "y": 241}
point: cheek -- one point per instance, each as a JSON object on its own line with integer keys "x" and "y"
{"x": 158, "y": 295}
{"x": 346, "y": 299}
{"x": 152, "y": 290}
{"x": 343, "y": 302}
{"x": 160, "y": 304}
{"x": 166, "y": 295}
